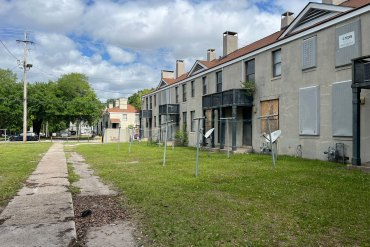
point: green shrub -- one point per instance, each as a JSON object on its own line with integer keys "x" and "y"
{"x": 181, "y": 138}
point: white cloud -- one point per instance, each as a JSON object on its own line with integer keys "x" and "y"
{"x": 122, "y": 45}
{"x": 120, "y": 56}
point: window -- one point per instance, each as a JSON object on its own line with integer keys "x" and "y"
{"x": 155, "y": 100}
{"x": 192, "y": 125}
{"x": 309, "y": 53}
{"x": 218, "y": 81}
{"x": 342, "y": 108}
{"x": 309, "y": 110}
{"x": 155, "y": 121}
{"x": 184, "y": 92}
{"x": 250, "y": 71}
{"x": 192, "y": 89}
{"x": 276, "y": 63}
{"x": 124, "y": 117}
{"x": 348, "y": 43}
{"x": 184, "y": 121}
{"x": 146, "y": 100}
{"x": 150, "y": 100}
{"x": 177, "y": 94}
{"x": 268, "y": 108}
{"x": 204, "y": 83}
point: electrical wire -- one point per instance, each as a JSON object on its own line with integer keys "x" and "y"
{"x": 6, "y": 48}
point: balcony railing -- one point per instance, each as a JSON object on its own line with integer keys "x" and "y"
{"x": 231, "y": 97}
{"x": 146, "y": 113}
{"x": 168, "y": 109}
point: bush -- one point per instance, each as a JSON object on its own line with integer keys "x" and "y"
{"x": 181, "y": 138}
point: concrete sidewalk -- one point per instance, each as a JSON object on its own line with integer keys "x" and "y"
{"x": 41, "y": 214}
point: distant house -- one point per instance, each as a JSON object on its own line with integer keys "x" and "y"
{"x": 117, "y": 121}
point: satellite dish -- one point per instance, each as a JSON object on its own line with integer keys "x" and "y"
{"x": 209, "y": 132}
{"x": 274, "y": 136}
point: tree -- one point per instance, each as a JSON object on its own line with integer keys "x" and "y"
{"x": 69, "y": 99}
{"x": 11, "y": 98}
{"x": 76, "y": 100}
{"x": 135, "y": 99}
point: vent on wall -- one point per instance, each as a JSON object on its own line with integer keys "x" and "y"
{"x": 197, "y": 68}
{"x": 312, "y": 15}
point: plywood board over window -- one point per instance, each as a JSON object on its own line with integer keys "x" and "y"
{"x": 342, "y": 108}
{"x": 309, "y": 110}
{"x": 270, "y": 107}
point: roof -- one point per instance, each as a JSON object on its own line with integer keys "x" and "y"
{"x": 266, "y": 41}
{"x": 115, "y": 120}
{"x": 130, "y": 109}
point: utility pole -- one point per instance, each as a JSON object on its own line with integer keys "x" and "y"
{"x": 25, "y": 68}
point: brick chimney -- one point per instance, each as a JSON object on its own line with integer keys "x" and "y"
{"x": 230, "y": 42}
{"x": 169, "y": 74}
{"x": 286, "y": 19}
{"x": 333, "y": 2}
{"x": 211, "y": 54}
{"x": 180, "y": 68}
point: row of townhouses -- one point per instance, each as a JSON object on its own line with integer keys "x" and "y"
{"x": 302, "y": 76}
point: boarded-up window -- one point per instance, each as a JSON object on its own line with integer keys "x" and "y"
{"x": 270, "y": 108}
{"x": 348, "y": 43}
{"x": 309, "y": 110}
{"x": 342, "y": 108}
{"x": 309, "y": 53}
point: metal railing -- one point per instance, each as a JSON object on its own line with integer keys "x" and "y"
{"x": 227, "y": 98}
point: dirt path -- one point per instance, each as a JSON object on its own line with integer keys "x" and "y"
{"x": 99, "y": 220}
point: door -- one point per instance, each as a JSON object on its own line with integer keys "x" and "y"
{"x": 247, "y": 126}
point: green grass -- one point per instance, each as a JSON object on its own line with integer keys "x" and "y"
{"x": 241, "y": 201}
{"x": 17, "y": 161}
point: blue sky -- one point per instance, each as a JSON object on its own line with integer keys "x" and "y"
{"x": 123, "y": 45}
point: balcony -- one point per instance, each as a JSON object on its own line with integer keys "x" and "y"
{"x": 146, "y": 113}
{"x": 232, "y": 97}
{"x": 169, "y": 109}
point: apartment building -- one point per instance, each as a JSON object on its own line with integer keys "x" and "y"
{"x": 302, "y": 75}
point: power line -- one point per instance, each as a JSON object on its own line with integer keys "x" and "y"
{"x": 6, "y": 48}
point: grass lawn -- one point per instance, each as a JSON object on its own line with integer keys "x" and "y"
{"x": 17, "y": 161}
{"x": 241, "y": 201}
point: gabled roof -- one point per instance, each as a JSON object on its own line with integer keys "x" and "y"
{"x": 165, "y": 82}
{"x": 130, "y": 109}
{"x": 198, "y": 66}
{"x": 312, "y": 14}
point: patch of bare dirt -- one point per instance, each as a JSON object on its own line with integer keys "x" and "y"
{"x": 95, "y": 211}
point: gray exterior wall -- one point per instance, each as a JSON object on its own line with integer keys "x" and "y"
{"x": 286, "y": 88}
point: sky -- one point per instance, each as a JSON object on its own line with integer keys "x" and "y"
{"x": 122, "y": 45}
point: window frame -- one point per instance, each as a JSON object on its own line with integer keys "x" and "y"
{"x": 274, "y": 63}
{"x": 192, "y": 89}
{"x": 192, "y": 121}
{"x": 177, "y": 95}
{"x": 247, "y": 74}
{"x": 184, "y": 96}
{"x": 219, "y": 81}
{"x": 184, "y": 120}
{"x": 204, "y": 85}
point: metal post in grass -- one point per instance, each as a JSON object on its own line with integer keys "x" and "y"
{"x": 165, "y": 142}
{"x": 131, "y": 130}
{"x": 119, "y": 137}
{"x": 198, "y": 144}
{"x": 228, "y": 136}
{"x": 270, "y": 137}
